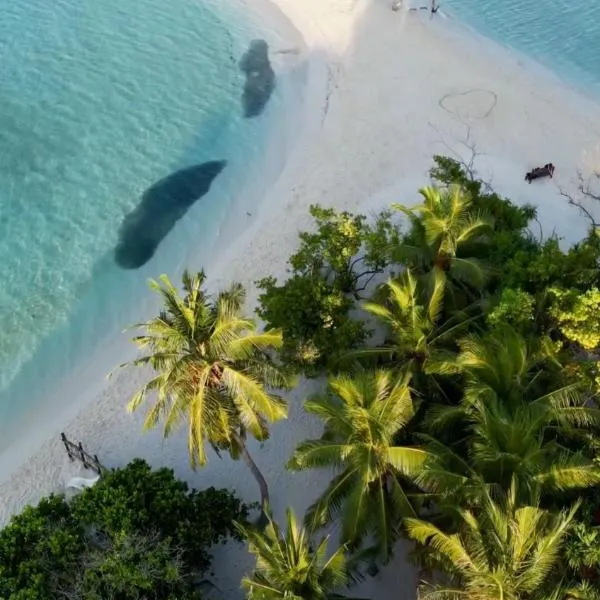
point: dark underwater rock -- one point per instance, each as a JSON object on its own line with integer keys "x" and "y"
{"x": 260, "y": 78}
{"x": 162, "y": 205}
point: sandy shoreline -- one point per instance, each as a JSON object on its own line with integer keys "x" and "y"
{"x": 385, "y": 91}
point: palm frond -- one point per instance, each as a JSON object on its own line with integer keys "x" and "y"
{"x": 569, "y": 471}
{"x": 450, "y": 546}
{"x": 330, "y": 503}
{"x": 407, "y": 461}
{"x": 211, "y": 367}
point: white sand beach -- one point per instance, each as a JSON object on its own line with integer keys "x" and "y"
{"x": 385, "y": 92}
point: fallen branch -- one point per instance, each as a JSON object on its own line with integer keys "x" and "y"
{"x": 587, "y": 193}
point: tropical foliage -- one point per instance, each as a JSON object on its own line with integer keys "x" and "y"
{"x": 289, "y": 566}
{"x": 491, "y": 333}
{"x": 518, "y": 421}
{"x": 502, "y": 551}
{"x": 441, "y": 227}
{"x": 361, "y": 416}
{"x": 577, "y": 316}
{"x": 330, "y": 270}
{"x": 136, "y": 534}
{"x": 460, "y": 351}
{"x": 212, "y": 369}
{"x": 418, "y": 336}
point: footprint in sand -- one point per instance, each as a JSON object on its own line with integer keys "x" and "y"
{"x": 294, "y": 51}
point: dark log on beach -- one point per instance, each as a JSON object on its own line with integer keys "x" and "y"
{"x": 260, "y": 78}
{"x": 77, "y": 452}
{"x": 546, "y": 171}
{"x": 162, "y": 205}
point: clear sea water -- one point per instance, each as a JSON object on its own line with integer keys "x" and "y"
{"x": 98, "y": 101}
{"x": 562, "y": 35}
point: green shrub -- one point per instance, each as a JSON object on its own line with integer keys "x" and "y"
{"x": 137, "y": 533}
{"x": 577, "y": 316}
{"x": 514, "y": 307}
{"x": 329, "y": 271}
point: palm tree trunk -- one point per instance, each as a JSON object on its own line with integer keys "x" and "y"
{"x": 262, "y": 483}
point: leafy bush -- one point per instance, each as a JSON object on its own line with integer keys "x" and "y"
{"x": 315, "y": 319}
{"x": 582, "y": 549}
{"x": 137, "y": 499}
{"x": 39, "y": 548}
{"x": 578, "y": 316}
{"x": 329, "y": 271}
{"x": 345, "y": 250}
{"x": 514, "y": 307}
{"x": 137, "y": 533}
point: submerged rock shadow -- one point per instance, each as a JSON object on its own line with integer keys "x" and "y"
{"x": 162, "y": 205}
{"x": 260, "y": 78}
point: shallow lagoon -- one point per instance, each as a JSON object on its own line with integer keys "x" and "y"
{"x": 103, "y": 105}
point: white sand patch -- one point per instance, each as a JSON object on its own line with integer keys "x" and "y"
{"x": 385, "y": 91}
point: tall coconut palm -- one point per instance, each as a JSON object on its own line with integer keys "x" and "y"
{"x": 418, "y": 339}
{"x": 501, "y": 551}
{"x": 288, "y": 567}
{"x": 443, "y": 223}
{"x": 361, "y": 417}
{"x": 518, "y": 417}
{"x": 211, "y": 369}
{"x": 503, "y": 364}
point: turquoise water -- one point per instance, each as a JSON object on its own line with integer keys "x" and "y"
{"x": 99, "y": 101}
{"x": 563, "y": 35}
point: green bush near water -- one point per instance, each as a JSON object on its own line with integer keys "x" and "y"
{"x": 136, "y": 534}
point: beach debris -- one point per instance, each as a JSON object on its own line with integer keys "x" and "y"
{"x": 546, "y": 171}
{"x": 81, "y": 483}
{"x": 295, "y": 51}
{"x": 77, "y": 452}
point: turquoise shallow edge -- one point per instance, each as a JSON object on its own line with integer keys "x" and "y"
{"x": 102, "y": 101}
{"x": 563, "y": 35}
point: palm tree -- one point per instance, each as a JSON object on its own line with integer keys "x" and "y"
{"x": 518, "y": 420}
{"x": 503, "y": 551}
{"x": 504, "y": 365}
{"x": 583, "y": 590}
{"x": 361, "y": 417}
{"x": 287, "y": 566}
{"x": 443, "y": 223}
{"x": 212, "y": 369}
{"x": 418, "y": 339}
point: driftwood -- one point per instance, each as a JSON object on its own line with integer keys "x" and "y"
{"x": 546, "y": 171}
{"x": 77, "y": 452}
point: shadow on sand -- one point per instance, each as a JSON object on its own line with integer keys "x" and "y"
{"x": 260, "y": 78}
{"x": 162, "y": 205}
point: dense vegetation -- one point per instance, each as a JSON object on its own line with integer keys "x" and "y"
{"x": 461, "y": 412}
{"x": 472, "y": 425}
{"x": 136, "y": 534}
